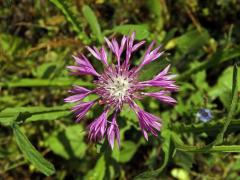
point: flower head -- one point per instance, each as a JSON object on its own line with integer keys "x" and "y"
{"x": 204, "y": 115}
{"x": 117, "y": 85}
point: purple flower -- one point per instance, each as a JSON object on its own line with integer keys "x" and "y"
{"x": 118, "y": 85}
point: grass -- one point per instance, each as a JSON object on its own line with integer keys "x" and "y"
{"x": 38, "y": 134}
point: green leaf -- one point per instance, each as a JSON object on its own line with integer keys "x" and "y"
{"x": 218, "y": 58}
{"x": 28, "y": 114}
{"x": 170, "y": 34}
{"x": 49, "y": 116}
{"x": 31, "y": 154}
{"x": 8, "y": 118}
{"x": 10, "y": 44}
{"x": 189, "y": 41}
{"x": 233, "y": 106}
{"x": 199, "y": 80}
{"x": 63, "y": 7}
{"x": 205, "y": 149}
{"x": 141, "y": 30}
{"x": 34, "y": 109}
{"x": 59, "y": 82}
{"x": 223, "y": 87}
{"x": 93, "y": 22}
{"x": 184, "y": 160}
{"x": 46, "y": 70}
{"x": 155, "y": 7}
{"x": 128, "y": 113}
{"x": 158, "y": 10}
{"x": 166, "y": 147}
{"x": 68, "y": 143}
{"x": 128, "y": 149}
{"x": 179, "y": 145}
{"x": 98, "y": 172}
{"x": 4, "y": 153}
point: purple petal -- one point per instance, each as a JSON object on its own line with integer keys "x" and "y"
{"x": 100, "y": 55}
{"x": 94, "y": 53}
{"x": 80, "y": 93}
{"x": 131, "y": 39}
{"x": 75, "y": 98}
{"x": 168, "y": 84}
{"x": 83, "y": 70}
{"x": 109, "y": 44}
{"x": 113, "y": 131}
{"x": 138, "y": 45}
{"x": 161, "y": 95}
{"x": 124, "y": 39}
{"x": 151, "y": 55}
{"x": 161, "y": 80}
{"x": 79, "y": 89}
{"x": 148, "y": 122}
{"x": 84, "y": 66}
{"x": 98, "y": 127}
{"x": 81, "y": 109}
{"x": 114, "y": 46}
{"x": 163, "y": 72}
{"x": 104, "y": 56}
{"x": 150, "y": 47}
{"x": 129, "y": 48}
{"x": 81, "y": 61}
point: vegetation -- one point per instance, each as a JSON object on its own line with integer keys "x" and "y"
{"x": 38, "y": 134}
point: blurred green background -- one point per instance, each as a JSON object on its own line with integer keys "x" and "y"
{"x": 37, "y": 38}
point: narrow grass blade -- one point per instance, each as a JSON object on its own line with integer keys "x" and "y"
{"x": 31, "y": 154}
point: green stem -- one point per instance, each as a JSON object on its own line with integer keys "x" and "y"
{"x": 15, "y": 165}
{"x": 204, "y": 127}
{"x": 44, "y": 83}
{"x": 179, "y": 145}
{"x": 223, "y": 148}
{"x": 233, "y": 106}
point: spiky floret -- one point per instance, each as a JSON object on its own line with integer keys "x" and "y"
{"x": 118, "y": 85}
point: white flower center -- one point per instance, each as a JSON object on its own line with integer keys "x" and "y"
{"x": 118, "y": 87}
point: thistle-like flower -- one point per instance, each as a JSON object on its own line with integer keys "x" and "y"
{"x": 118, "y": 85}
